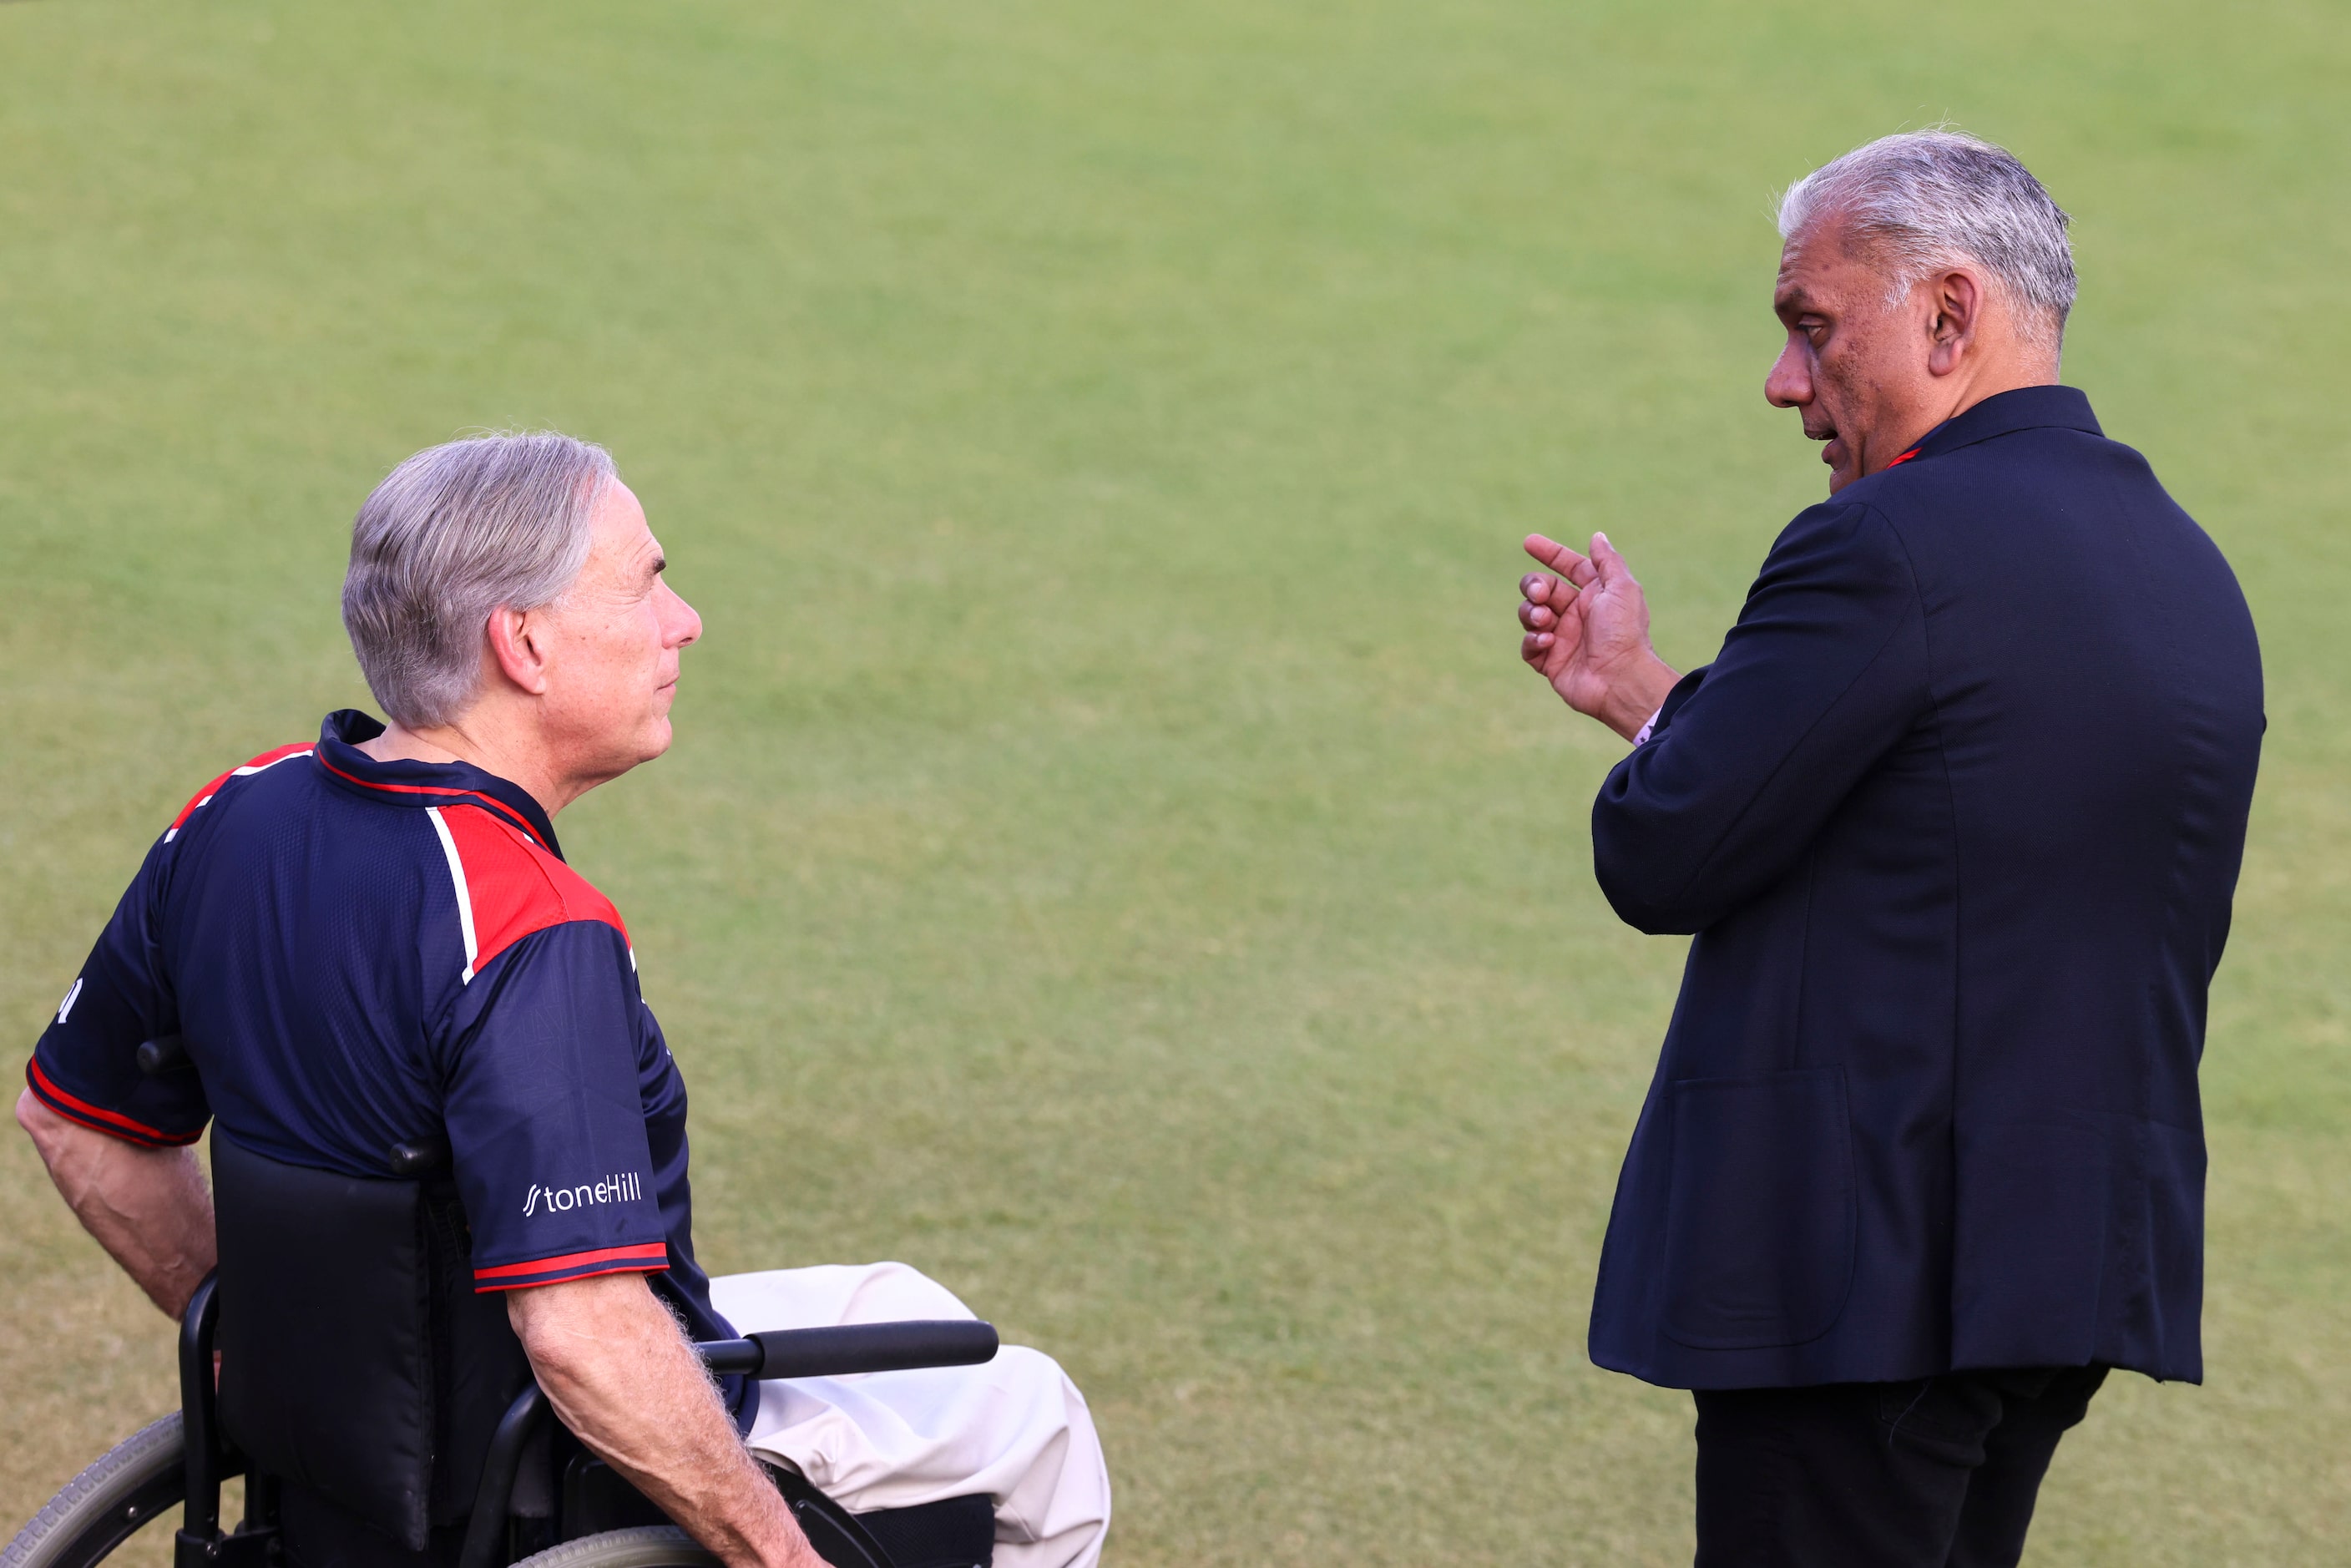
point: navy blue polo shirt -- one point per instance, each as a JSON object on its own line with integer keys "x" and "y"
{"x": 359, "y": 954}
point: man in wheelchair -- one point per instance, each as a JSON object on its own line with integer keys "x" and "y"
{"x": 449, "y": 1142}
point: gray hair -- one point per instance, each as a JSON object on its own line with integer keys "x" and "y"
{"x": 453, "y": 533}
{"x": 1926, "y": 200}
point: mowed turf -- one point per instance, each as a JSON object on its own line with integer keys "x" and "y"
{"x": 1111, "y": 858}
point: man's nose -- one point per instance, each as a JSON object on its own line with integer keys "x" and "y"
{"x": 680, "y": 623}
{"x": 1789, "y": 382}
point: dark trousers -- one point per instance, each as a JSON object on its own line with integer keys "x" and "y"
{"x": 1937, "y": 1473}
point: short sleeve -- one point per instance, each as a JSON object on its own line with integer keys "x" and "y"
{"x": 86, "y": 1066}
{"x": 546, "y": 1120}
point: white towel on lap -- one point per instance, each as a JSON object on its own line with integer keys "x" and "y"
{"x": 1017, "y": 1428}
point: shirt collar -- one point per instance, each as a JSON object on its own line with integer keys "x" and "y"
{"x": 2003, "y": 414}
{"x": 408, "y": 783}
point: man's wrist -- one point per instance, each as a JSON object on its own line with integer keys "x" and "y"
{"x": 1636, "y": 697}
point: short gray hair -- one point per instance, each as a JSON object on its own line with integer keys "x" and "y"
{"x": 456, "y": 531}
{"x": 1924, "y": 199}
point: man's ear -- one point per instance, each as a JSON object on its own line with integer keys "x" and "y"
{"x": 1955, "y": 304}
{"x": 519, "y": 642}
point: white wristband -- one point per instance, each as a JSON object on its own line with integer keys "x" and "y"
{"x": 1642, "y": 735}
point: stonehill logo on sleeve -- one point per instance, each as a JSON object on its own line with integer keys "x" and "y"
{"x": 624, "y": 1188}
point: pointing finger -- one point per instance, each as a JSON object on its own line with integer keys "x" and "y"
{"x": 1558, "y": 558}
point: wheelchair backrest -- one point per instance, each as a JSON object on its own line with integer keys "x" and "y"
{"x": 356, "y": 1360}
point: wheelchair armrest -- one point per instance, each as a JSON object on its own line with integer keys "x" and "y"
{"x": 779, "y": 1352}
{"x": 849, "y": 1348}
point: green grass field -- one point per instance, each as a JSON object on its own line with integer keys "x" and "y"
{"x": 1112, "y": 858}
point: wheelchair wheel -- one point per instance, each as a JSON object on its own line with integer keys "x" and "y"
{"x": 134, "y": 1482}
{"x": 641, "y": 1546}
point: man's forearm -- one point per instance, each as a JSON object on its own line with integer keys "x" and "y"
{"x": 623, "y": 1378}
{"x": 148, "y": 1207}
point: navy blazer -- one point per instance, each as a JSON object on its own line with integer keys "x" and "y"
{"x": 1956, "y": 817}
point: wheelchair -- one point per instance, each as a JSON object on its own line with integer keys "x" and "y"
{"x": 383, "y": 1415}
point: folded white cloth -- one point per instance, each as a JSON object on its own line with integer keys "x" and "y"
{"x": 1017, "y": 1428}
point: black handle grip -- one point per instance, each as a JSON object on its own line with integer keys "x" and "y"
{"x": 425, "y": 1157}
{"x": 854, "y": 1347}
{"x": 165, "y": 1053}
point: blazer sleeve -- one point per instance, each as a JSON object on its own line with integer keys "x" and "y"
{"x": 1823, "y": 674}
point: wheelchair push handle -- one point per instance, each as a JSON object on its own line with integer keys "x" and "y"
{"x": 849, "y": 1348}
{"x": 165, "y": 1053}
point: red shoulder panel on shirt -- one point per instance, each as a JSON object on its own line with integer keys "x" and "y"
{"x": 511, "y": 886}
{"x": 298, "y": 749}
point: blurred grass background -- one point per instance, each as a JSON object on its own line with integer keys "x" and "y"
{"x": 1112, "y": 858}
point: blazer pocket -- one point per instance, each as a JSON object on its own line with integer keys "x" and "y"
{"x": 1760, "y": 1214}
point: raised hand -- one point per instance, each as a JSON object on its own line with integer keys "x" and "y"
{"x": 1587, "y": 633}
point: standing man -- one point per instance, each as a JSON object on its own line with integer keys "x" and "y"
{"x": 1955, "y": 819}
